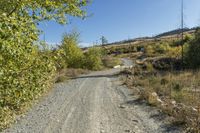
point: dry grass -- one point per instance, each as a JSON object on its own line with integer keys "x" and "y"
{"x": 65, "y": 74}
{"x": 179, "y": 91}
{"x": 110, "y": 62}
{"x": 130, "y": 55}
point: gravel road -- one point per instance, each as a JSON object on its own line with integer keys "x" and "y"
{"x": 94, "y": 103}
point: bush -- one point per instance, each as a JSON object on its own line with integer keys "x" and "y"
{"x": 73, "y": 55}
{"x": 167, "y": 64}
{"x": 92, "y": 59}
{"x": 192, "y": 54}
{"x": 149, "y": 67}
{"x": 25, "y": 71}
{"x": 149, "y": 51}
{"x": 58, "y": 58}
{"x": 162, "y": 48}
{"x": 157, "y": 49}
{"x": 6, "y": 117}
{"x": 175, "y": 52}
{"x": 187, "y": 38}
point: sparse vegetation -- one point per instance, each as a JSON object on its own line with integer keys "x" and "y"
{"x": 93, "y": 59}
{"x": 177, "y": 93}
{"x": 110, "y": 62}
{"x": 157, "y": 78}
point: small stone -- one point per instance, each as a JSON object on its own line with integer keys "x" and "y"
{"x": 127, "y": 131}
{"x": 102, "y": 131}
{"x": 173, "y": 102}
{"x": 121, "y": 106}
{"x": 135, "y": 121}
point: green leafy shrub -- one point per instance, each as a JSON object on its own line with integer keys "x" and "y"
{"x": 162, "y": 48}
{"x": 6, "y": 117}
{"x": 192, "y": 54}
{"x": 149, "y": 67}
{"x": 58, "y": 58}
{"x": 149, "y": 51}
{"x": 187, "y": 38}
{"x": 157, "y": 49}
{"x": 25, "y": 70}
{"x": 73, "y": 55}
{"x": 93, "y": 59}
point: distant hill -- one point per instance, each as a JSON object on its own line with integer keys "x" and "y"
{"x": 169, "y": 34}
{"x": 175, "y": 32}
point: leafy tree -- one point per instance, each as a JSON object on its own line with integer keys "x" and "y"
{"x": 39, "y": 10}
{"x": 192, "y": 54}
{"x": 73, "y": 55}
{"x": 25, "y": 70}
{"x": 93, "y": 59}
{"x": 187, "y": 38}
{"x": 58, "y": 58}
{"x": 103, "y": 40}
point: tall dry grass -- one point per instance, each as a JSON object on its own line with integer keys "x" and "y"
{"x": 179, "y": 92}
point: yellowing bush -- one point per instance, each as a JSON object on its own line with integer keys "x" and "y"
{"x": 25, "y": 71}
{"x": 192, "y": 54}
{"x": 93, "y": 59}
{"x": 73, "y": 55}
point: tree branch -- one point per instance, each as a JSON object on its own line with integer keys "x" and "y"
{"x": 14, "y": 9}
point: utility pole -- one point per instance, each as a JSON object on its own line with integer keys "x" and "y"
{"x": 182, "y": 26}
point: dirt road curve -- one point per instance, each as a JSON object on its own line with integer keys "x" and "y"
{"x": 95, "y": 103}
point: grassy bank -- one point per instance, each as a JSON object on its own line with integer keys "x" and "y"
{"x": 160, "y": 78}
{"x": 176, "y": 93}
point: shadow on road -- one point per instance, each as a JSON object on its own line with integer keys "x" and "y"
{"x": 98, "y": 76}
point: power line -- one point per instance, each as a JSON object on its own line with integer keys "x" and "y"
{"x": 182, "y": 26}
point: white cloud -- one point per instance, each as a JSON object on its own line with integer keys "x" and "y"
{"x": 85, "y": 44}
{"x": 53, "y": 44}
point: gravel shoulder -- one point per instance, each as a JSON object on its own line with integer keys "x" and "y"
{"x": 94, "y": 103}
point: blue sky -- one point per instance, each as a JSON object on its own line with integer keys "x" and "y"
{"x": 122, "y": 19}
